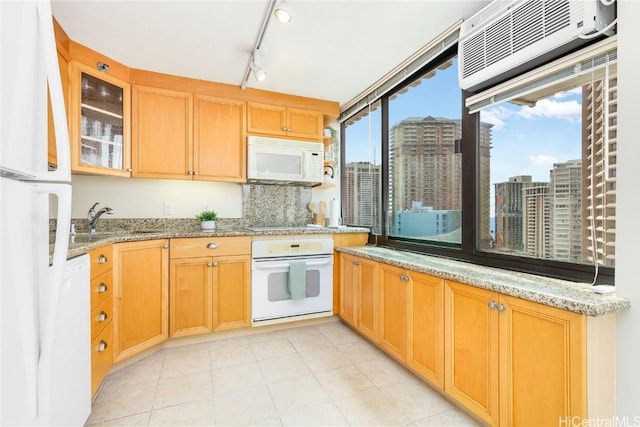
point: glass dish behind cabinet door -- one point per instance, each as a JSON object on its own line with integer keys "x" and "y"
{"x": 102, "y": 131}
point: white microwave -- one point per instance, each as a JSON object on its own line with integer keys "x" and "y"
{"x": 284, "y": 161}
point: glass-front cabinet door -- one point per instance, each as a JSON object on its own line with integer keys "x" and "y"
{"x": 99, "y": 121}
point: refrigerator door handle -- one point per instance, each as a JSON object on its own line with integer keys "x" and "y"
{"x": 57, "y": 273}
{"x": 48, "y": 41}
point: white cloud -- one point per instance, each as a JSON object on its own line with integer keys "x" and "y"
{"x": 543, "y": 160}
{"x": 548, "y": 108}
{"x": 496, "y": 116}
{"x": 566, "y": 93}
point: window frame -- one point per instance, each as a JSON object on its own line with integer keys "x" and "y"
{"x": 469, "y": 248}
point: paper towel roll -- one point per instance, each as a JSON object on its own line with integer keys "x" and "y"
{"x": 334, "y": 213}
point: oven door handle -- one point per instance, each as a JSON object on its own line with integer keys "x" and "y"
{"x": 267, "y": 265}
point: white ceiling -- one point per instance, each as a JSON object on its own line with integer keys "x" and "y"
{"x": 333, "y": 49}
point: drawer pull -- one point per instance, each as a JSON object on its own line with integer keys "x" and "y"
{"x": 102, "y": 288}
{"x": 212, "y": 264}
{"x": 102, "y": 316}
{"x": 212, "y": 245}
{"x": 102, "y": 259}
{"x": 102, "y": 346}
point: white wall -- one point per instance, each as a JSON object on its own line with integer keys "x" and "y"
{"x": 145, "y": 198}
{"x": 627, "y": 212}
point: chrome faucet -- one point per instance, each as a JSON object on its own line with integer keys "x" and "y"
{"x": 94, "y": 216}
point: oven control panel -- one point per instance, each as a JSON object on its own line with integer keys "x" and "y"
{"x": 289, "y": 247}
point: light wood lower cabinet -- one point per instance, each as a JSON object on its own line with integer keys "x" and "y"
{"x": 425, "y": 328}
{"x": 507, "y": 360}
{"x": 471, "y": 350}
{"x": 542, "y": 364}
{"x": 394, "y": 295}
{"x": 514, "y": 362}
{"x": 101, "y": 314}
{"x": 359, "y": 295}
{"x": 212, "y": 292}
{"x": 141, "y": 296}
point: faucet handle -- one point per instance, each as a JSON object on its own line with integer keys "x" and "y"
{"x": 94, "y": 206}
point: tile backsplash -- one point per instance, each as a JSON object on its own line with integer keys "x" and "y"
{"x": 275, "y": 205}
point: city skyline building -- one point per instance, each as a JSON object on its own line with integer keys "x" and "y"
{"x": 509, "y": 212}
{"x": 566, "y": 211}
{"x": 536, "y": 220}
{"x": 361, "y": 193}
{"x": 425, "y": 166}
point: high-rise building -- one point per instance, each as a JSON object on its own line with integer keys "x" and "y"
{"x": 361, "y": 193}
{"x": 536, "y": 220}
{"x": 599, "y": 152}
{"x": 509, "y": 211}
{"x": 425, "y": 165}
{"x": 566, "y": 211}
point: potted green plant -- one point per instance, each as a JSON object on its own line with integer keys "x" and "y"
{"x": 207, "y": 219}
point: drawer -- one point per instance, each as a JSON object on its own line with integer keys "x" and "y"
{"x": 101, "y": 357}
{"x": 209, "y": 246}
{"x": 101, "y": 316}
{"x": 101, "y": 260}
{"x": 101, "y": 288}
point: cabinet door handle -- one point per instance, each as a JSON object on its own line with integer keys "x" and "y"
{"x": 209, "y": 264}
{"x": 102, "y": 316}
{"x": 189, "y": 173}
{"x": 195, "y": 172}
{"x": 102, "y": 259}
{"x": 102, "y": 346}
{"x": 129, "y": 170}
{"x": 500, "y": 307}
{"x": 491, "y": 304}
{"x": 212, "y": 245}
{"x": 102, "y": 288}
{"x": 165, "y": 246}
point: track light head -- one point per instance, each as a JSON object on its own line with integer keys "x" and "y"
{"x": 282, "y": 12}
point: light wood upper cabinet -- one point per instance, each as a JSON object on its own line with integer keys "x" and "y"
{"x": 279, "y": 120}
{"x": 162, "y": 136}
{"x": 394, "y": 297}
{"x": 52, "y": 157}
{"x": 542, "y": 364}
{"x": 179, "y": 135}
{"x": 141, "y": 296}
{"x": 99, "y": 114}
{"x": 219, "y": 146}
{"x": 425, "y": 346}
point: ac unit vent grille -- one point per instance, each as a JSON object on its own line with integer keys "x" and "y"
{"x": 474, "y": 63}
{"x": 498, "y": 40}
{"x": 528, "y": 20}
{"x": 557, "y": 15}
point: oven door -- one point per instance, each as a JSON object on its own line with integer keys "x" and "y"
{"x": 271, "y": 297}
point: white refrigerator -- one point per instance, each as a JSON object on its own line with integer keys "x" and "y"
{"x": 45, "y": 366}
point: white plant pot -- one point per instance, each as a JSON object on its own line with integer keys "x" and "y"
{"x": 208, "y": 225}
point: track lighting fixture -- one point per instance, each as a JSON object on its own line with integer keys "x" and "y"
{"x": 258, "y": 72}
{"x": 283, "y": 12}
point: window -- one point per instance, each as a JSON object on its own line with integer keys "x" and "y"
{"x": 521, "y": 176}
{"x": 424, "y": 161}
{"x": 362, "y": 173}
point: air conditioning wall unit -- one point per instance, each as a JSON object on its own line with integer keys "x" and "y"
{"x": 510, "y": 37}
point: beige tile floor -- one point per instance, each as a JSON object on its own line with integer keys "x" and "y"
{"x": 323, "y": 374}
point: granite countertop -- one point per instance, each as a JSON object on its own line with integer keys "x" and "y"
{"x": 82, "y": 243}
{"x": 570, "y": 296}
